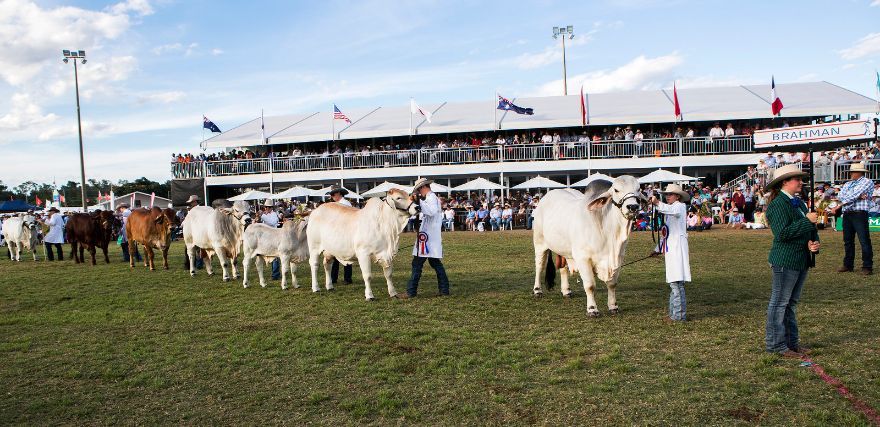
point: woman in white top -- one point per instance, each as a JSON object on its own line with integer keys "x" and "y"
{"x": 55, "y": 236}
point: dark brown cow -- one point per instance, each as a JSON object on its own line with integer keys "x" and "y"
{"x": 151, "y": 228}
{"x": 88, "y": 231}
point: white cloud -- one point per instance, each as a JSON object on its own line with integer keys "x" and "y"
{"x": 875, "y": 3}
{"x": 172, "y": 47}
{"x": 95, "y": 77}
{"x": 866, "y": 46}
{"x": 552, "y": 54}
{"x": 639, "y": 74}
{"x": 191, "y": 48}
{"x": 215, "y": 51}
{"x": 161, "y": 97}
{"x": 141, "y": 7}
{"x": 24, "y": 113}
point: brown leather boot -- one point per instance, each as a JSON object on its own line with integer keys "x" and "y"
{"x": 867, "y": 271}
{"x": 844, "y": 269}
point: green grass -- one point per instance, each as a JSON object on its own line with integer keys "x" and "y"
{"x": 106, "y": 345}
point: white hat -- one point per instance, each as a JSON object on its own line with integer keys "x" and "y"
{"x": 269, "y": 203}
{"x": 676, "y": 189}
{"x": 421, "y": 183}
{"x": 858, "y": 167}
{"x": 192, "y": 198}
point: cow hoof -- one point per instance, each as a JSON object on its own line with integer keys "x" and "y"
{"x": 592, "y": 312}
{"x": 568, "y": 295}
{"x": 225, "y": 279}
{"x": 245, "y": 286}
{"x": 614, "y": 311}
{"x": 192, "y": 274}
{"x": 284, "y": 288}
{"x": 371, "y": 299}
{"x": 295, "y": 286}
{"x": 538, "y": 294}
{"x": 262, "y": 285}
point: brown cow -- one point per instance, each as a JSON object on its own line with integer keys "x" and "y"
{"x": 151, "y": 228}
{"x": 88, "y": 231}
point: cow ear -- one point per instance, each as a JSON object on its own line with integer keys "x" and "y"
{"x": 160, "y": 220}
{"x": 599, "y": 201}
{"x": 226, "y": 211}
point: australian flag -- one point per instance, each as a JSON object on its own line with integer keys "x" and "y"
{"x": 209, "y": 125}
{"x": 506, "y": 105}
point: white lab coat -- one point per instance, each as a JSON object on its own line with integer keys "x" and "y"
{"x": 432, "y": 221}
{"x": 56, "y": 229}
{"x": 678, "y": 265}
{"x": 344, "y": 202}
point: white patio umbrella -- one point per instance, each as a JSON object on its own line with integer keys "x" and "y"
{"x": 383, "y": 188}
{"x": 322, "y": 192}
{"x": 539, "y": 182}
{"x": 440, "y": 188}
{"x": 294, "y": 192}
{"x": 586, "y": 181}
{"x": 661, "y": 175}
{"x": 479, "y": 184}
{"x": 252, "y": 195}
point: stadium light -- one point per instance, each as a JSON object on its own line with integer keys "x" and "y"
{"x": 78, "y": 55}
{"x": 566, "y": 30}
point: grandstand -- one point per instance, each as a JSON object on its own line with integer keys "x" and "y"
{"x": 465, "y": 140}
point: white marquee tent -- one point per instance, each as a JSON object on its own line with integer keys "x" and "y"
{"x": 478, "y": 184}
{"x": 661, "y": 175}
{"x": 252, "y": 195}
{"x": 586, "y": 181}
{"x": 538, "y": 182}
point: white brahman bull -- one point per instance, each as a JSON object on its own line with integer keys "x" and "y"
{"x": 366, "y": 235}
{"x": 590, "y": 230}
{"x": 21, "y": 231}
{"x": 216, "y": 231}
{"x": 266, "y": 243}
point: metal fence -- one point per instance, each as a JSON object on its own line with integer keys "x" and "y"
{"x": 187, "y": 170}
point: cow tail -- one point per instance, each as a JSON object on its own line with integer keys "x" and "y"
{"x": 550, "y": 271}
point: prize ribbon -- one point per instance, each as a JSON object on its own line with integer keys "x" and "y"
{"x": 423, "y": 243}
{"x": 664, "y": 239}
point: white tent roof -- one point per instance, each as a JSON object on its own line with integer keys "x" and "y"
{"x": 629, "y": 107}
{"x": 324, "y": 191}
{"x": 292, "y": 192}
{"x": 252, "y": 195}
{"x": 440, "y": 188}
{"x": 661, "y": 175}
{"x": 384, "y": 187}
{"x": 478, "y": 184}
{"x": 586, "y": 181}
{"x": 539, "y": 182}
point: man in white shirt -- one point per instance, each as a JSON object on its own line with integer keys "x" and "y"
{"x": 449, "y": 218}
{"x": 495, "y": 217}
{"x": 506, "y": 217}
{"x": 429, "y": 244}
{"x": 729, "y": 131}
{"x": 55, "y": 236}
{"x": 716, "y": 131}
{"x": 337, "y": 194}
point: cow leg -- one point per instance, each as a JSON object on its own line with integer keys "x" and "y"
{"x": 541, "y": 254}
{"x": 328, "y": 264}
{"x": 587, "y": 275}
{"x": 73, "y": 252}
{"x": 388, "y": 270}
{"x": 18, "y": 252}
{"x": 92, "y": 253}
{"x": 232, "y": 259}
{"x": 313, "y": 265}
{"x": 165, "y": 257}
{"x": 612, "y": 294}
{"x": 260, "y": 264}
{"x": 151, "y": 255}
{"x": 192, "y": 260}
{"x": 82, "y": 251}
{"x": 285, "y": 266}
{"x": 131, "y": 249}
{"x": 366, "y": 270}
{"x": 245, "y": 264}
{"x": 221, "y": 256}
{"x": 563, "y": 279}
{"x": 208, "y": 267}
{"x": 106, "y": 257}
{"x": 293, "y": 275}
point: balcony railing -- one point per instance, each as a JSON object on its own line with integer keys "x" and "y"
{"x": 567, "y": 150}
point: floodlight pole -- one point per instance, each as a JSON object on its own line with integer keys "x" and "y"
{"x": 569, "y": 32}
{"x": 79, "y": 55}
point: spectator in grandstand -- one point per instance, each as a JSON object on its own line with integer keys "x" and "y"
{"x": 716, "y": 131}
{"x": 449, "y": 218}
{"x": 736, "y": 219}
{"x": 728, "y": 132}
{"x": 507, "y": 217}
{"x": 495, "y": 217}
{"x": 482, "y": 217}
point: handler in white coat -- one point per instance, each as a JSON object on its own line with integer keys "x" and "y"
{"x": 674, "y": 245}
{"x": 55, "y": 236}
{"x": 337, "y": 194}
{"x": 429, "y": 246}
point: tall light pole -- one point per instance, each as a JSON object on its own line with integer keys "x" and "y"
{"x": 567, "y": 30}
{"x": 78, "y": 55}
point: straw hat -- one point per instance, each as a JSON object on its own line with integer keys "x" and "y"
{"x": 193, "y": 198}
{"x": 337, "y": 189}
{"x": 53, "y": 209}
{"x": 421, "y": 183}
{"x": 783, "y": 173}
{"x": 269, "y": 203}
{"x": 858, "y": 167}
{"x": 676, "y": 189}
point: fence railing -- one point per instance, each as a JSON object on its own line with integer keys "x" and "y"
{"x": 565, "y": 150}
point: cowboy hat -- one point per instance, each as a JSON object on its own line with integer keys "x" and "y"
{"x": 858, "y": 167}
{"x": 676, "y": 189}
{"x": 337, "y": 189}
{"x": 193, "y": 198}
{"x": 269, "y": 203}
{"x": 53, "y": 209}
{"x": 783, "y": 173}
{"x": 421, "y": 183}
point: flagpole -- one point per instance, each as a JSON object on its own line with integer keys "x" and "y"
{"x": 495, "y": 111}
{"x": 202, "y": 145}
{"x": 333, "y": 123}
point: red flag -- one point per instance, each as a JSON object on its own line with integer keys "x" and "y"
{"x": 38, "y": 201}
{"x": 675, "y": 100}
{"x": 100, "y": 197}
{"x": 62, "y": 199}
{"x": 584, "y": 118}
{"x": 776, "y": 105}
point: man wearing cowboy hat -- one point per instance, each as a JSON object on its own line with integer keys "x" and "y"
{"x": 270, "y": 217}
{"x": 795, "y": 237}
{"x": 855, "y": 202}
{"x": 55, "y": 236}
{"x": 429, "y": 246}
{"x": 192, "y": 201}
{"x": 674, "y": 245}
{"x": 337, "y": 194}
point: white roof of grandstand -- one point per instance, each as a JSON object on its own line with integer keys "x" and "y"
{"x": 617, "y": 108}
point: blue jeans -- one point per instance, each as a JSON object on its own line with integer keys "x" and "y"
{"x": 276, "y": 269}
{"x": 412, "y": 288}
{"x": 677, "y": 301}
{"x": 782, "y": 327}
{"x": 496, "y": 223}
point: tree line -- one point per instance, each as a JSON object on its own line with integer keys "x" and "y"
{"x": 29, "y": 190}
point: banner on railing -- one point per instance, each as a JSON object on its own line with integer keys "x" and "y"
{"x": 824, "y": 132}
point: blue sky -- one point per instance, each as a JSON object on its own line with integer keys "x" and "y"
{"x": 154, "y": 67}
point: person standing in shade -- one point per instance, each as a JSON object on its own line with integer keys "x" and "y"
{"x": 429, "y": 244}
{"x": 855, "y": 202}
{"x": 795, "y": 239}
{"x": 270, "y": 218}
{"x": 55, "y": 236}
{"x": 337, "y": 194}
{"x": 674, "y": 245}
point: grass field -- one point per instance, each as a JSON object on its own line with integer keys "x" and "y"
{"x": 106, "y": 345}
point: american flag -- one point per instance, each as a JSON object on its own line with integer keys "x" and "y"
{"x": 337, "y": 115}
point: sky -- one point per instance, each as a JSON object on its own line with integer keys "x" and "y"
{"x": 155, "y": 67}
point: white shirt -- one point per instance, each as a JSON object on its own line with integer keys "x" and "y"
{"x": 677, "y": 253}
{"x": 449, "y": 214}
{"x": 56, "y": 229}
{"x": 507, "y": 213}
{"x": 429, "y": 243}
{"x": 716, "y": 132}
{"x": 690, "y": 134}
{"x": 495, "y": 213}
{"x": 344, "y": 202}
{"x": 546, "y": 138}
{"x": 271, "y": 219}
{"x": 729, "y": 132}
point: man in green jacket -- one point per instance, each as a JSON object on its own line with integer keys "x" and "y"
{"x": 795, "y": 240}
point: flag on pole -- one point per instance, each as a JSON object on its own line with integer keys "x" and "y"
{"x": 415, "y": 109}
{"x": 152, "y": 199}
{"x": 37, "y": 200}
{"x": 131, "y": 205}
{"x": 675, "y": 101}
{"x": 100, "y": 197}
{"x": 776, "y": 103}
{"x": 337, "y": 115}
{"x": 62, "y": 199}
{"x": 584, "y": 118}
{"x": 209, "y": 125}
{"x": 505, "y": 104}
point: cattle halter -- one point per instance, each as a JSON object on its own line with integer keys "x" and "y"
{"x": 622, "y": 200}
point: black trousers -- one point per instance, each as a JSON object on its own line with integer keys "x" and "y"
{"x": 412, "y": 288}
{"x": 137, "y": 255}
{"x": 49, "y": 255}
{"x": 856, "y": 224}
{"x": 750, "y": 212}
{"x": 334, "y": 272}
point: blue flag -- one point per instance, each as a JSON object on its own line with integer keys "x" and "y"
{"x": 209, "y": 125}
{"x": 506, "y": 105}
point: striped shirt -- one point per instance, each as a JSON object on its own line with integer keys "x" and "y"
{"x": 851, "y": 195}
